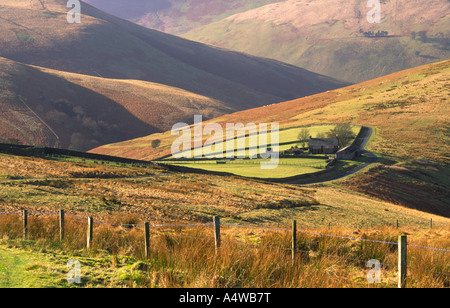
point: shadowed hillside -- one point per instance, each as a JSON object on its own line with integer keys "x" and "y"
{"x": 46, "y": 107}
{"x": 175, "y": 16}
{"x": 106, "y": 46}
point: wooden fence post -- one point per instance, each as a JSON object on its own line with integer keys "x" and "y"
{"x": 25, "y": 224}
{"x": 147, "y": 239}
{"x": 402, "y": 258}
{"x": 431, "y": 223}
{"x": 217, "y": 232}
{"x": 294, "y": 238}
{"x": 90, "y": 232}
{"x": 61, "y": 225}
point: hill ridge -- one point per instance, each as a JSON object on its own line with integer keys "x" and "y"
{"x": 200, "y": 79}
{"x": 335, "y": 38}
{"x": 241, "y": 81}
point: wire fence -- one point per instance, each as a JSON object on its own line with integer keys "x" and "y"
{"x": 156, "y": 225}
{"x": 216, "y": 227}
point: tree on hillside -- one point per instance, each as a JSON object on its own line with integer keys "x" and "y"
{"x": 379, "y": 33}
{"x": 156, "y": 143}
{"x": 422, "y": 35}
{"x": 303, "y": 137}
{"x": 344, "y": 133}
{"x": 321, "y": 135}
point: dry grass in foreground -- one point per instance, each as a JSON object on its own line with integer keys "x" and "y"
{"x": 256, "y": 258}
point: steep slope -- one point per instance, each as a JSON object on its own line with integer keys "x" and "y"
{"x": 175, "y": 16}
{"x": 46, "y": 107}
{"x": 106, "y": 46}
{"x": 333, "y": 37}
{"x": 410, "y": 114}
{"x": 408, "y": 109}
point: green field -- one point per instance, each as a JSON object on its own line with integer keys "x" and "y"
{"x": 287, "y": 167}
{"x": 287, "y": 139}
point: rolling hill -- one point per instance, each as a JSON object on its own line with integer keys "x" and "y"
{"x": 107, "y": 80}
{"x": 334, "y": 38}
{"x": 47, "y": 107}
{"x": 110, "y": 47}
{"x": 409, "y": 112}
{"x": 175, "y": 16}
{"x": 408, "y": 108}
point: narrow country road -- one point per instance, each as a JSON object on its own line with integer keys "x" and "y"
{"x": 372, "y": 159}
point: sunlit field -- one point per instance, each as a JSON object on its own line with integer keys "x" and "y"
{"x": 285, "y": 168}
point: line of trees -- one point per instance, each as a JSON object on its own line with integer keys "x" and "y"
{"x": 343, "y": 132}
{"x": 420, "y": 36}
{"x": 376, "y": 34}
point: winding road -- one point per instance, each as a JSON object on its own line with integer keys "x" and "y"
{"x": 372, "y": 159}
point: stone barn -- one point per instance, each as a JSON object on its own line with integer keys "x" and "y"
{"x": 349, "y": 153}
{"x": 323, "y": 145}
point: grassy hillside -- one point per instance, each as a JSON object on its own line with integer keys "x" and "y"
{"x": 116, "y": 194}
{"x": 409, "y": 112}
{"x": 102, "y": 189}
{"x": 175, "y": 16}
{"x": 333, "y": 42}
{"x": 106, "y": 46}
{"x": 53, "y": 108}
{"x": 185, "y": 258}
{"x": 342, "y": 224}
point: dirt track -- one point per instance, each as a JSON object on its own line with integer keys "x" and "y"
{"x": 372, "y": 159}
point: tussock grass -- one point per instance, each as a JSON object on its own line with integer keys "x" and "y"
{"x": 186, "y": 256}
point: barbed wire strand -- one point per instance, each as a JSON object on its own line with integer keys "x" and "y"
{"x": 335, "y": 236}
{"x": 254, "y": 227}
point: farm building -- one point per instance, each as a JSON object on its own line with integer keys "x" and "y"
{"x": 349, "y": 153}
{"x": 323, "y": 145}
